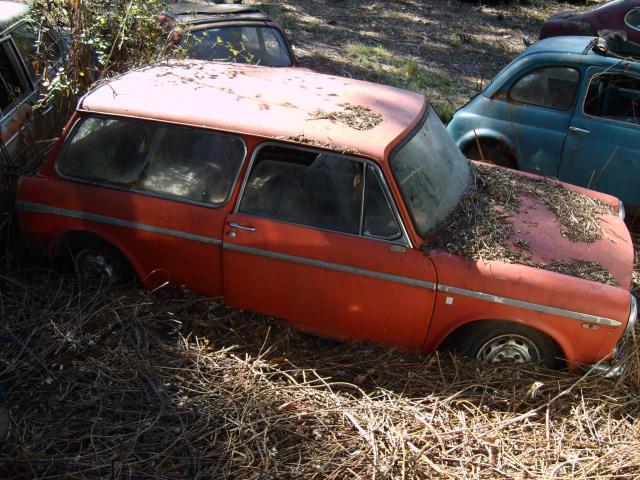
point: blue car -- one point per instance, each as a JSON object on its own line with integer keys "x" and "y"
{"x": 567, "y": 107}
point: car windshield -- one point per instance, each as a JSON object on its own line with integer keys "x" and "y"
{"x": 242, "y": 44}
{"x": 432, "y": 174}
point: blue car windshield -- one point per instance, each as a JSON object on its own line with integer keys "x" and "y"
{"x": 432, "y": 174}
{"x": 241, "y": 44}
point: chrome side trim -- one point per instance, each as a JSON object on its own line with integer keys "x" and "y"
{"x": 331, "y": 266}
{"x": 530, "y": 306}
{"x": 424, "y": 284}
{"x": 633, "y": 316}
{"x": 92, "y": 217}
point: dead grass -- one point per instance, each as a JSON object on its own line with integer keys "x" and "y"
{"x": 480, "y": 227}
{"x": 128, "y": 384}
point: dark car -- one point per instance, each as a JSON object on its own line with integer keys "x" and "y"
{"x": 27, "y": 61}
{"x": 229, "y": 32}
{"x": 622, "y": 15}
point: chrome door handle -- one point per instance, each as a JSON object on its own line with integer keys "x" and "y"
{"x": 581, "y": 131}
{"x": 242, "y": 227}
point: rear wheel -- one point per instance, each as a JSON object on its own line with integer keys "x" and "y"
{"x": 100, "y": 265}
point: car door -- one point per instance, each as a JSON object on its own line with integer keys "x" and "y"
{"x": 534, "y": 111}
{"x": 602, "y": 150}
{"x": 315, "y": 239}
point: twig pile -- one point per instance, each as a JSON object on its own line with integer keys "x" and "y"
{"x": 127, "y": 384}
{"x": 358, "y": 117}
{"x": 480, "y": 227}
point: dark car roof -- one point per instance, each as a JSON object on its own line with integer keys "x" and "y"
{"x": 188, "y": 12}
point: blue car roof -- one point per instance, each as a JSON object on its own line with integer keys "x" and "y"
{"x": 563, "y": 44}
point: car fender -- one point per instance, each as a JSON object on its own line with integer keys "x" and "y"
{"x": 104, "y": 235}
{"x": 484, "y": 134}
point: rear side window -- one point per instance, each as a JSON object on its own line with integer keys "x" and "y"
{"x": 321, "y": 190}
{"x": 35, "y": 49}
{"x": 614, "y": 96}
{"x": 181, "y": 162}
{"x": 551, "y": 87}
{"x": 249, "y": 44}
{"x": 14, "y": 86}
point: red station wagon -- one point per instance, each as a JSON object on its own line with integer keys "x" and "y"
{"x": 309, "y": 197}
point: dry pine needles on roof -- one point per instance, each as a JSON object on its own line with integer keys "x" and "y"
{"x": 480, "y": 227}
{"x": 128, "y": 384}
{"x": 358, "y": 117}
{"x": 301, "y": 139}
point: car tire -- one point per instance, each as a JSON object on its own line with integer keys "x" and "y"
{"x": 493, "y": 154}
{"x": 497, "y": 343}
{"x": 100, "y": 265}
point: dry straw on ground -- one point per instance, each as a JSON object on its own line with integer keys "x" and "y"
{"x": 480, "y": 227}
{"x": 128, "y": 384}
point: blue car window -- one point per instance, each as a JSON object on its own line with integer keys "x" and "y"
{"x": 550, "y": 87}
{"x": 614, "y": 96}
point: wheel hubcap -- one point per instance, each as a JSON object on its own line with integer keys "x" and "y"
{"x": 509, "y": 349}
{"x": 95, "y": 268}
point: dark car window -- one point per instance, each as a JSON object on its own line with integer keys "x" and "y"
{"x": 379, "y": 220}
{"x": 551, "y": 87}
{"x": 182, "y": 162}
{"x": 246, "y": 44}
{"x": 615, "y": 97}
{"x": 34, "y": 48}
{"x": 13, "y": 84}
{"x": 320, "y": 190}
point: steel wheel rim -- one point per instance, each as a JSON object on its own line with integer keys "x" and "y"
{"x": 95, "y": 267}
{"x": 509, "y": 348}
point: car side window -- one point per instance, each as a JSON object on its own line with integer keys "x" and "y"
{"x": 320, "y": 190}
{"x": 34, "y": 48}
{"x": 550, "y": 87}
{"x": 25, "y": 39}
{"x": 182, "y": 162}
{"x": 13, "y": 84}
{"x": 614, "y": 96}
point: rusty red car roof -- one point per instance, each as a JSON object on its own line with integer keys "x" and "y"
{"x": 286, "y": 103}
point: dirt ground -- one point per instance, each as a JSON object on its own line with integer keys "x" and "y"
{"x": 445, "y": 48}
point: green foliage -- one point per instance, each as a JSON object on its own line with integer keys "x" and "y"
{"x": 104, "y": 37}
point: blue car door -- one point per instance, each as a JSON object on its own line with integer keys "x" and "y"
{"x": 536, "y": 111}
{"x": 602, "y": 149}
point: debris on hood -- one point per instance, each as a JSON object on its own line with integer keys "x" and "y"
{"x": 357, "y": 117}
{"x": 480, "y": 227}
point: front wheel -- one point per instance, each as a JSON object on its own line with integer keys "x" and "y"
{"x": 501, "y": 343}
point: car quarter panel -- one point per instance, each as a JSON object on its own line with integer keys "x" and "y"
{"x": 163, "y": 239}
{"x": 547, "y": 301}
